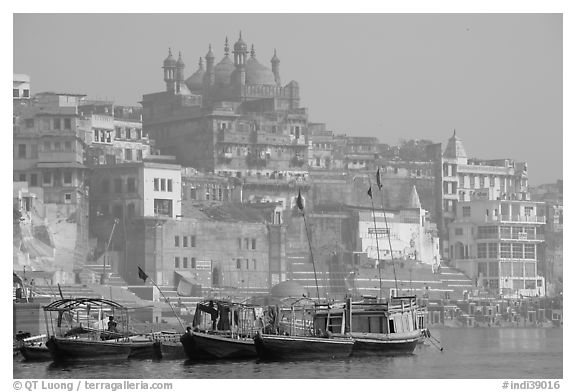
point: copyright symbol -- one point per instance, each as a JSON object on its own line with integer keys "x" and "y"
{"x": 17, "y": 385}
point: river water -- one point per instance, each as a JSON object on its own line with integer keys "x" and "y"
{"x": 482, "y": 353}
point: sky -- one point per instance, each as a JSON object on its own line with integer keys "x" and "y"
{"x": 494, "y": 78}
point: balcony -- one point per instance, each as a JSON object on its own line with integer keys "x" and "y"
{"x": 515, "y": 219}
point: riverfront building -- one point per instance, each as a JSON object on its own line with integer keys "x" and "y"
{"x": 500, "y": 244}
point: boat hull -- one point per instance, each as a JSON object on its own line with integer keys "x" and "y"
{"x": 224, "y": 347}
{"x": 385, "y": 344}
{"x": 89, "y": 350}
{"x": 169, "y": 350}
{"x": 191, "y": 350}
{"x": 302, "y": 347}
{"x": 35, "y": 353}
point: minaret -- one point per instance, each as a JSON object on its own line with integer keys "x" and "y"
{"x": 276, "y": 68}
{"x": 209, "y": 77}
{"x": 170, "y": 72}
{"x": 240, "y": 52}
{"x": 179, "y": 72}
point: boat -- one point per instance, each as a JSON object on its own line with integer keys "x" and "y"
{"x": 167, "y": 345}
{"x": 70, "y": 342}
{"x": 387, "y": 328}
{"x": 34, "y": 348}
{"x": 222, "y": 330}
{"x": 302, "y": 347}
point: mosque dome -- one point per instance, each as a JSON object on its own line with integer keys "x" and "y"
{"x": 195, "y": 81}
{"x": 180, "y": 62}
{"x": 257, "y": 73}
{"x": 169, "y": 61}
{"x": 240, "y": 45}
{"x": 223, "y": 71}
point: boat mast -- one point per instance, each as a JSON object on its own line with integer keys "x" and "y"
{"x": 301, "y": 207}
{"x": 376, "y": 235}
{"x": 387, "y": 228}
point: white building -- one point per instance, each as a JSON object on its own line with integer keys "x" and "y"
{"x": 411, "y": 234}
{"x": 500, "y": 243}
{"x": 21, "y": 86}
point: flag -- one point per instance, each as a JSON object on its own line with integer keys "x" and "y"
{"x": 378, "y": 178}
{"x": 370, "y": 191}
{"x": 142, "y": 275}
{"x": 299, "y": 201}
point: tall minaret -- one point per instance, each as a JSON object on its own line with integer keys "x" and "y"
{"x": 209, "y": 77}
{"x": 170, "y": 72}
{"x": 276, "y": 68}
{"x": 179, "y": 72}
{"x": 240, "y": 52}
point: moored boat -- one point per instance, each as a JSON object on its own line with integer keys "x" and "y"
{"x": 34, "y": 349}
{"x": 302, "y": 347}
{"x": 222, "y": 330}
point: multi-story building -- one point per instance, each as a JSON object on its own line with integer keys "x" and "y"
{"x": 500, "y": 243}
{"x": 49, "y": 151}
{"x": 464, "y": 179}
{"x": 233, "y": 118}
{"x": 21, "y": 87}
{"x": 114, "y": 133}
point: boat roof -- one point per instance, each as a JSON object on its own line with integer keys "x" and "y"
{"x": 72, "y": 303}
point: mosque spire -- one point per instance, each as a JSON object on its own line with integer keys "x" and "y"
{"x": 252, "y": 52}
{"x": 226, "y": 47}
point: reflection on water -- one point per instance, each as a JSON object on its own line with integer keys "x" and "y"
{"x": 468, "y": 353}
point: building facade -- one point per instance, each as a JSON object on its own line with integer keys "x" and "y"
{"x": 500, "y": 243}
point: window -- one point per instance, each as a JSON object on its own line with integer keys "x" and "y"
{"x": 67, "y": 146}
{"x": 493, "y": 250}
{"x": 238, "y": 263}
{"x": 192, "y": 241}
{"x": 177, "y": 241}
{"x": 253, "y": 263}
{"x": 506, "y": 268}
{"x": 67, "y": 198}
{"x": 131, "y": 210}
{"x": 33, "y": 179}
{"x": 488, "y": 232}
{"x": 192, "y": 262}
{"x": 118, "y": 133}
{"x": 169, "y": 185}
{"x": 253, "y": 243}
{"x": 128, "y": 133}
{"x": 185, "y": 262}
{"x": 46, "y": 178}
{"x": 505, "y": 232}
{"x": 156, "y": 184}
{"x": 239, "y": 243}
{"x": 57, "y": 146}
{"x": 118, "y": 185}
{"x": 482, "y": 269}
{"x": 26, "y": 93}
{"x": 517, "y": 251}
{"x": 29, "y": 122}
{"x": 162, "y": 184}
{"x": 67, "y": 123}
{"x": 458, "y": 231}
{"x": 517, "y": 269}
{"x": 128, "y": 154}
{"x": 530, "y": 270}
{"x": 139, "y": 155}
{"x": 530, "y": 251}
{"x": 22, "y": 177}
{"x": 163, "y": 207}
{"x": 176, "y": 262}
{"x": 67, "y": 178}
{"x": 57, "y": 123}
{"x": 105, "y": 186}
{"x": 482, "y": 251}
{"x": 505, "y": 250}
{"x": 466, "y": 211}
{"x": 118, "y": 211}
{"x": 21, "y": 151}
{"x": 131, "y": 184}
{"x": 247, "y": 243}
{"x": 15, "y": 93}
{"x": 481, "y": 181}
{"x": 493, "y": 269}
{"x": 184, "y": 241}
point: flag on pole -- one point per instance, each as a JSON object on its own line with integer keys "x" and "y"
{"x": 370, "y": 191}
{"x": 142, "y": 275}
{"x": 378, "y": 178}
{"x": 299, "y": 201}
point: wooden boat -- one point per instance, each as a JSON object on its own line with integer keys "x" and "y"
{"x": 168, "y": 346}
{"x": 223, "y": 330}
{"x": 389, "y": 328}
{"x": 302, "y": 347}
{"x": 34, "y": 351}
{"x": 78, "y": 343}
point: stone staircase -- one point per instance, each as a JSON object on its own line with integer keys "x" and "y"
{"x": 91, "y": 274}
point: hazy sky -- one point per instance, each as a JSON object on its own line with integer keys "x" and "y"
{"x": 495, "y": 78}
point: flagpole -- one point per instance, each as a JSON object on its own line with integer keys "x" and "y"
{"x": 387, "y": 228}
{"x": 166, "y": 299}
{"x": 376, "y": 234}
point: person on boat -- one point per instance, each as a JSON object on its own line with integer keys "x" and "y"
{"x": 112, "y": 324}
